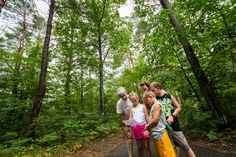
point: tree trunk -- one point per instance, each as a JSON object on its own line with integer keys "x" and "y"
{"x": 69, "y": 68}
{"x": 188, "y": 80}
{"x": 101, "y": 61}
{"x": 42, "y": 79}
{"x": 81, "y": 78}
{"x": 19, "y": 57}
{"x": 101, "y": 89}
{"x": 206, "y": 88}
{"x": 82, "y": 85}
{"x": 68, "y": 79}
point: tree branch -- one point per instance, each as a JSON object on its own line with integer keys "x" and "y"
{"x": 106, "y": 55}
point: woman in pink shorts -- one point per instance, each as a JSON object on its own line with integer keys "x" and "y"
{"x": 139, "y": 115}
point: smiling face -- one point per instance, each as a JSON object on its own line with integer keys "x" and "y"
{"x": 133, "y": 97}
{"x": 123, "y": 96}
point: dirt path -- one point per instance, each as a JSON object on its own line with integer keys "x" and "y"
{"x": 101, "y": 147}
{"x": 106, "y": 147}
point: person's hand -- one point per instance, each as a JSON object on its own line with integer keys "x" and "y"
{"x": 128, "y": 132}
{"x": 146, "y": 126}
{"x": 123, "y": 124}
{"x": 170, "y": 120}
{"x": 146, "y": 133}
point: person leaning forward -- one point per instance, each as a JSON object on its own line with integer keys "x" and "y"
{"x": 123, "y": 107}
{"x": 157, "y": 127}
{"x": 172, "y": 108}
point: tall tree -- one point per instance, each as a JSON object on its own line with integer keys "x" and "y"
{"x": 98, "y": 34}
{"x": 105, "y": 24}
{"x": 20, "y": 60}
{"x": 101, "y": 75}
{"x": 20, "y": 52}
{"x": 42, "y": 78}
{"x": 25, "y": 12}
{"x": 75, "y": 58}
{"x": 206, "y": 88}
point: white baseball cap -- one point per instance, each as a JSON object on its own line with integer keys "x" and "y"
{"x": 121, "y": 90}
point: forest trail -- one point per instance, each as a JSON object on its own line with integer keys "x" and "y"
{"x": 120, "y": 151}
{"x": 114, "y": 146}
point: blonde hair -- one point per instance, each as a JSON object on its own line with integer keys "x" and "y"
{"x": 156, "y": 85}
{"x": 147, "y": 94}
{"x": 134, "y": 94}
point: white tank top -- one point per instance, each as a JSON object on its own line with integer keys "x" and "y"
{"x": 138, "y": 115}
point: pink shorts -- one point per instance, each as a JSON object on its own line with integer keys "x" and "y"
{"x": 138, "y": 131}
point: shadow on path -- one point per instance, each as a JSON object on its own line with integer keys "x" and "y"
{"x": 121, "y": 151}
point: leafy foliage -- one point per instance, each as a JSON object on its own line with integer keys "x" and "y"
{"x": 144, "y": 47}
{"x": 212, "y": 136}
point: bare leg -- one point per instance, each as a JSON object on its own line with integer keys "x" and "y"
{"x": 139, "y": 147}
{"x": 129, "y": 146}
{"x": 128, "y": 139}
{"x": 190, "y": 153}
{"x": 182, "y": 142}
{"x": 146, "y": 148}
{"x": 177, "y": 151}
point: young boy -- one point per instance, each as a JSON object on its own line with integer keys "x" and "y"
{"x": 157, "y": 126}
{"x": 171, "y": 108}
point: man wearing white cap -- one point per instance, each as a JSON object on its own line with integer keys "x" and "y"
{"x": 123, "y": 107}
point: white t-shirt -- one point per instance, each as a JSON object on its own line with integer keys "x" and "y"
{"x": 123, "y": 107}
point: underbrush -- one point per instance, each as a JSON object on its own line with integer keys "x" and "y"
{"x": 54, "y": 136}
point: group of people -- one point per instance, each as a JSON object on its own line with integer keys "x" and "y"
{"x": 155, "y": 119}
